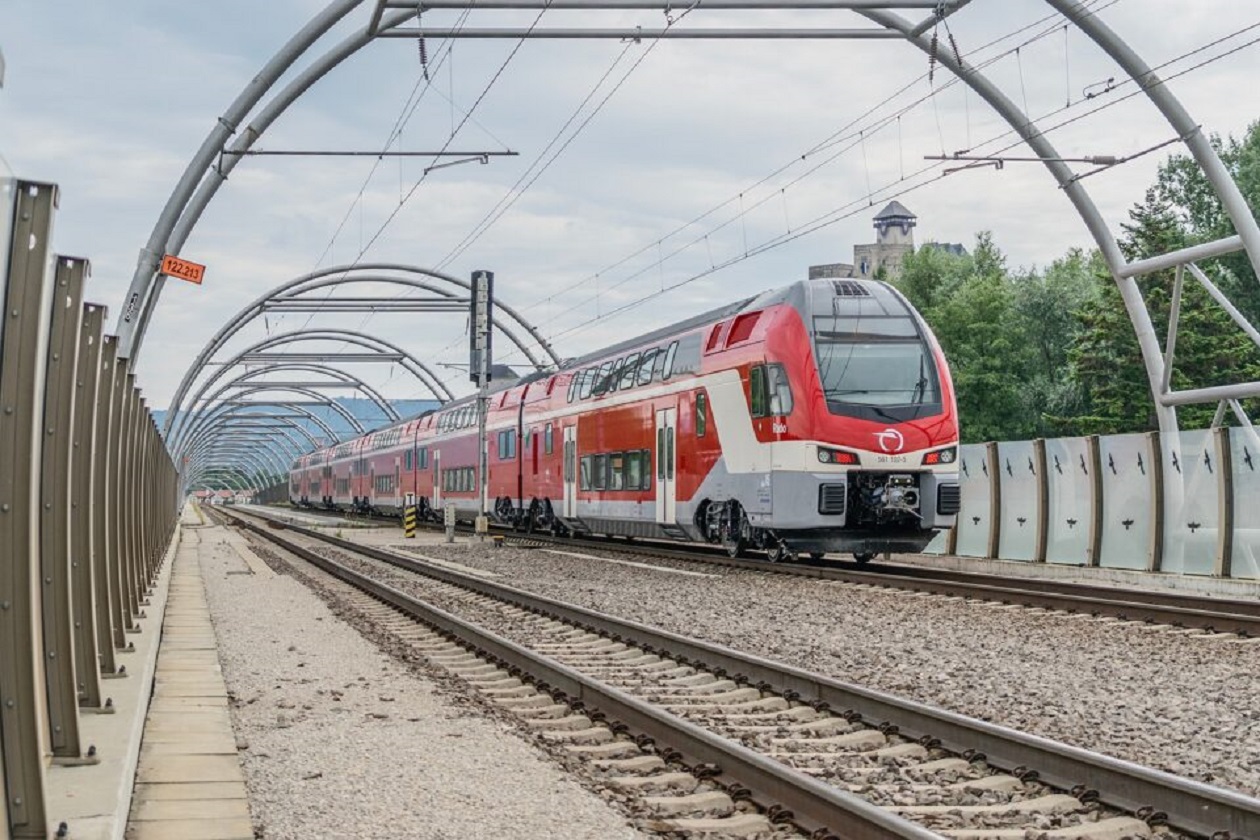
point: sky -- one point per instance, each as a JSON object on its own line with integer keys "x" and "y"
{"x": 696, "y": 173}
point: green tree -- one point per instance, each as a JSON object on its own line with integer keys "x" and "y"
{"x": 970, "y": 303}
{"x": 1048, "y": 305}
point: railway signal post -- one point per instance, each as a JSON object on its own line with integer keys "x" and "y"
{"x": 479, "y": 325}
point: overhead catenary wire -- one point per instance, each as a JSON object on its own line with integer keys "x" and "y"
{"x": 855, "y": 206}
{"x": 849, "y": 135}
{"x": 843, "y": 135}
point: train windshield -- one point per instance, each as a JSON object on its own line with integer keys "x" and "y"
{"x": 888, "y": 376}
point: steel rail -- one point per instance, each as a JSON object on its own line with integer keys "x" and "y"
{"x": 815, "y": 807}
{"x": 1222, "y": 615}
{"x": 1189, "y": 805}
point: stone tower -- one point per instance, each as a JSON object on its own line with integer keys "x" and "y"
{"x": 894, "y": 238}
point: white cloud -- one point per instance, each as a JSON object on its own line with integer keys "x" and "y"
{"x": 112, "y": 101}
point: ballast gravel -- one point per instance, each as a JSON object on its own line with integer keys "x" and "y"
{"x": 1167, "y": 699}
{"x": 339, "y": 740}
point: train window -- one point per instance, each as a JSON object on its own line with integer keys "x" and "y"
{"x": 614, "y": 377}
{"x": 548, "y": 441}
{"x": 702, "y": 413}
{"x": 588, "y": 380}
{"x": 660, "y": 454}
{"x": 779, "y": 389}
{"x": 628, "y": 371}
{"x": 507, "y": 444}
{"x": 742, "y": 329}
{"x": 644, "y": 376}
{"x": 667, "y": 369}
{"x": 757, "y": 391}
{"x": 599, "y": 471}
{"x": 586, "y": 472}
{"x": 635, "y": 461}
{"x": 573, "y": 381}
{"x": 669, "y": 453}
{"x": 714, "y": 334}
{"x": 617, "y": 471}
{"x": 601, "y": 379}
{"x": 407, "y": 460}
{"x": 423, "y": 457}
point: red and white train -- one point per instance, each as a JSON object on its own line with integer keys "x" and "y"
{"x": 812, "y": 418}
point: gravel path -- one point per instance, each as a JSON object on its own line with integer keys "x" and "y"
{"x": 345, "y": 741}
{"x": 1165, "y": 699}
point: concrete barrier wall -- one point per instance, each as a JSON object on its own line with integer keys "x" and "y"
{"x": 1186, "y": 506}
{"x": 1071, "y": 497}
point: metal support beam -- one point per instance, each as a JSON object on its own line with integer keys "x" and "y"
{"x": 667, "y": 5}
{"x": 23, "y": 359}
{"x": 56, "y": 479}
{"x": 640, "y": 34}
{"x": 88, "y": 659}
{"x": 325, "y": 358}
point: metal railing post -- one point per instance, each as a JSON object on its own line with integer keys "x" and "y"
{"x": 115, "y": 511}
{"x": 126, "y": 496}
{"x": 55, "y": 544}
{"x": 88, "y": 653}
{"x": 109, "y": 628}
{"x": 23, "y": 356}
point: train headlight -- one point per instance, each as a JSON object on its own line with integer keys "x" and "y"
{"x": 941, "y": 456}
{"x": 836, "y": 456}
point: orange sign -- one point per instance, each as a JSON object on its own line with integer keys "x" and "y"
{"x": 183, "y": 269}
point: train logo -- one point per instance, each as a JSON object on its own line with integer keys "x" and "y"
{"x": 890, "y": 440}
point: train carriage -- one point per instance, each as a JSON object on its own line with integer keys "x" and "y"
{"x": 812, "y": 418}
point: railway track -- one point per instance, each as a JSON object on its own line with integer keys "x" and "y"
{"x": 830, "y": 758}
{"x": 1217, "y": 615}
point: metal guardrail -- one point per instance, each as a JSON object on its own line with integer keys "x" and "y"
{"x": 88, "y": 497}
{"x": 1191, "y": 806}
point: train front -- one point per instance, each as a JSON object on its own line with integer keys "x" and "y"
{"x": 878, "y": 436}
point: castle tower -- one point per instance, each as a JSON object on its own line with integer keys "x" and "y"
{"x": 894, "y": 235}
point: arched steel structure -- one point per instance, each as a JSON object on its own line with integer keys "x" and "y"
{"x": 183, "y": 209}
{"x": 379, "y": 346}
{"x": 444, "y": 289}
{"x": 257, "y": 449}
{"x": 314, "y": 396}
{"x": 249, "y": 385}
{"x": 299, "y": 412}
{"x": 282, "y": 431}
{"x": 387, "y": 350}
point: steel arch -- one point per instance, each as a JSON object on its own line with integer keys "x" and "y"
{"x": 247, "y": 380}
{"x": 311, "y": 416}
{"x": 313, "y": 334}
{"x": 282, "y": 431}
{"x": 176, "y": 213}
{"x": 293, "y": 289}
{"x": 219, "y": 455}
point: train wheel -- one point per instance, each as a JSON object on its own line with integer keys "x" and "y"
{"x": 780, "y": 553}
{"x": 817, "y": 555}
{"x": 734, "y": 529}
{"x": 864, "y": 556}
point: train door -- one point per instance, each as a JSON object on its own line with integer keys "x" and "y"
{"x": 666, "y": 495}
{"x": 570, "y": 471}
{"x": 437, "y": 479}
{"x": 397, "y": 488}
{"x": 533, "y": 443}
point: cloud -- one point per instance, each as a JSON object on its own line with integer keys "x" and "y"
{"x": 117, "y": 109}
